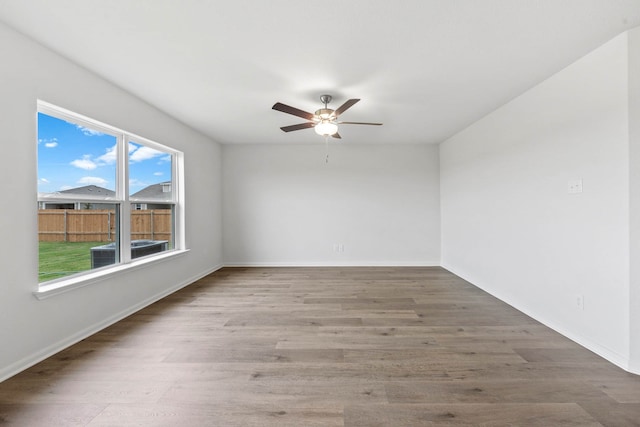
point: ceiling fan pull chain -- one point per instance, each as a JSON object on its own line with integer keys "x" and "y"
{"x": 326, "y": 144}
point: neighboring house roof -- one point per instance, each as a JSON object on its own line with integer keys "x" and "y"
{"x": 90, "y": 190}
{"x": 160, "y": 191}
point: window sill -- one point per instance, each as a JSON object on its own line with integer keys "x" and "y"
{"x": 66, "y": 285}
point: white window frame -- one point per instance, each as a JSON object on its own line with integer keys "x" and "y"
{"x": 122, "y": 199}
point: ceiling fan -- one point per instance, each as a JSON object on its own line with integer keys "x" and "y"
{"x": 324, "y": 121}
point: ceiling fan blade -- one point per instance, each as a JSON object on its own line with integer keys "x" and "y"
{"x": 344, "y": 107}
{"x": 336, "y": 135}
{"x": 292, "y": 110}
{"x": 359, "y": 123}
{"x": 298, "y": 127}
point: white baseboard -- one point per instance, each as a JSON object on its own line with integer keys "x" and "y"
{"x": 333, "y": 264}
{"x": 49, "y": 351}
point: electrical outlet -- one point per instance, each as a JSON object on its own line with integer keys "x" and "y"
{"x": 574, "y": 186}
{"x": 338, "y": 247}
{"x": 580, "y": 302}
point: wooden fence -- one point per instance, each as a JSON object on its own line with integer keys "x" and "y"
{"x": 70, "y": 225}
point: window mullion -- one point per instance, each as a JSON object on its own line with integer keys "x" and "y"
{"x": 123, "y": 196}
{"x": 178, "y": 197}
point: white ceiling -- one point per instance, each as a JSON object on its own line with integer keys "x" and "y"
{"x": 426, "y": 68}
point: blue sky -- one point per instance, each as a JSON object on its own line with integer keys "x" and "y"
{"x": 71, "y": 156}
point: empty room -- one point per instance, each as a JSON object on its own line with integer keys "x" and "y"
{"x": 354, "y": 213}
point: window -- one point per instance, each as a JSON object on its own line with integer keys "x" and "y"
{"x": 105, "y": 196}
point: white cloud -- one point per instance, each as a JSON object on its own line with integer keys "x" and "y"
{"x": 43, "y": 181}
{"x": 158, "y": 174}
{"x": 92, "y": 180}
{"x": 165, "y": 159}
{"x": 49, "y": 143}
{"x": 89, "y": 131}
{"x": 137, "y": 153}
{"x": 85, "y": 163}
{"x": 109, "y": 156}
{"x": 144, "y": 153}
{"x": 65, "y": 187}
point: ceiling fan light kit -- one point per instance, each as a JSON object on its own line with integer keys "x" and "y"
{"x": 326, "y": 128}
{"x": 324, "y": 120}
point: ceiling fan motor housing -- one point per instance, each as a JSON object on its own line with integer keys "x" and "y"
{"x": 325, "y": 113}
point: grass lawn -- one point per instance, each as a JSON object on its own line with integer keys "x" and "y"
{"x": 59, "y": 259}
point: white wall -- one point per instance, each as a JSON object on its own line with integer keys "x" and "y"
{"x": 283, "y": 205}
{"x": 634, "y": 168}
{"x": 508, "y": 223}
{"x": 31, "y": 329}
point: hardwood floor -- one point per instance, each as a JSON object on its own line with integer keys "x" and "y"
{"x": 324, "y": 347}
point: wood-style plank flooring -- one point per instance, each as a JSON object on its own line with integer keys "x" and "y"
{"x": 324, "y": 347}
